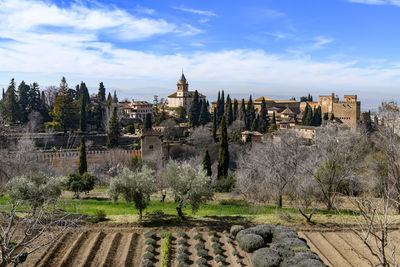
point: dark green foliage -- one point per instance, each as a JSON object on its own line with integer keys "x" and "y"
{"x": 83, "y": 116}
{"x": 99, "y": 216}
{"x": 213, "y": 233}
{"x": 255, "y": 124}
{"x": 326, "y": 117}
{"x": 308, "y": 98}
{"x": 215, "y": 239}
{"x": 207, "y": 163}
{"x": 10, "y": 103}
{"x": 219, "y": 258}
{"x": 150, "y": 248}
{"x": 147, "y": 263}
{"x": 202, "y": 253}
{"x": 201, "y": 261}
{"x": 148, "y": 256}
{"x": 181, "y": 241}
{"x": 235, "y": 229}
{"x": 204, "y": 114}
{"x": 235, "y": 110}
{"x": 183, "y": 235}
{"x": 223, "y": 157}
{"x": 332, "y": 117}
{"x": 220, "y": 107}
{"x": 228, "y": 110}
{"x": 197, "y": 237}
{"x": 307, "y": 116}
{"x": 150, "y": 234}
{"x": 150, "y": 241}
{"x": 199, "y": 246}
{"x": 183, "y": 257}
{"x": 215, "y": 125}
{"x": 102, "y": 92}
{"x": 235, "y": 253}
{"x": 65, "y": 109}
{"x": 148, "y": 124}
{"x": 368, "y": 123}
{"x": 242, "y": 111}
{"x": 115, "y": 98}
{"x": 23, "y": 101}
{"x": 250, "y": 242}
{"x": 194, "y": 112}
{"x": 263, "y": 123}
{"x": 80, "y": 183}
{"x": 216, "y": 245}
{"x": 109, "y": 99}
{"x": 181, "y": 113}
{"x": 82, "y": 167}
{"x": 130, "y": 128}
{"x": 317, "y": 117}
{"x": 113, "y": 133}
{"x": 250, "y": 114}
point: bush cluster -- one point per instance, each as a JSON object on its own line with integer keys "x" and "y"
{"x": 250, "y": 242}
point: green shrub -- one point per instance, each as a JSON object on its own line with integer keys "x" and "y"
{"x": 52, "y": 125}
{"x": 165, "y": 250}
{"x": 212, "y": 233}
{"x": 216, "y": 245}
{"x": 182, "y": 264}
{"x": 130, "y": 129}
{"x": 215, "y": 239}
{"x": 182, "y": 235}
{"x": 197, "y": 237}
{"x": 228, "y": 240}
{"x": 240, "y": 261}
{"x": 150, "y": 241}
{"x": 182, "y": 250}
{"x": 218, "y": 251}
{"x": 150, "y": 248}
{"x": 181, "y": 241}
{"x": 165, "y": 234}
{"x": 251, "y": 242}
{"x": 235, "y": 253}
{"x": 150, "y": 234}
{"x": 219, "y": 259}
{"x": 99, "y": 216}
{"x": 234, "y": 202}
{"x": 199, "y": 246}
{"x": 202, "y": 253}
{"x": 201, "y": 261}
{"x": 148, "y": 256}
{"x": 266, "y": 257}
{"x": 235, "y": 229}
{"x": 147, "y": 263}
{"x": 183, "y": 257}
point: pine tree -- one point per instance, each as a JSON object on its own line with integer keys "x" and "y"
{"x": 11, "y": 105}
{"x": 83, "y": 116}
{"x": 242, "y": 112}
{"x": 23, "y": 101}
{"x": 235, "y": 109}
{"x": 223, "y": 157}
{"x": 109, "y": 99}
{"x": 194, "y": 112}
{"x": 215, "y": 125}
{"x": 254, "y": 124}
{"x": 207, "y": 163}
{"x": 102, "y": 92}
{"x": 228, "y": 110}
{"x": 148, "y": 124}
{"x": 115, "y": 98}
{"x": 326, "y": 117}
{"x": 113, "y": 134}
{"x": 204, "y": 115}
{"x": 82, "y": 167}
{"x": 317, "y": 118}
{"x": 64, "y": 110}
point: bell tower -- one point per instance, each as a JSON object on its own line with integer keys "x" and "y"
{"x": 183, "y": 86}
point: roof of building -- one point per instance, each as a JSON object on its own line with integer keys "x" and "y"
{"x": 189, "y": 94}
{"x": 252, "y": 133}
{"x": 259, "y": 99}
{"x": 288, "y": 111}
{"x": 182, "y": 80}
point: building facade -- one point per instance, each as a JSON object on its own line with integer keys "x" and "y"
{"x": 182, "y": 97}
{"x": 136, "y": 109}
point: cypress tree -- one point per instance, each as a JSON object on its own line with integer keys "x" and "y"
{"x": 115, "y": 98}
{"x": 215, "y": 125}
{"x": 254, "y": 125}
{"x": 307, "y": 116}
{"x": 84, "y": 92}
{"x": 148, "y": 124}
{"x": 235, "y": 109}
{"x": 102, "y": 92}
{"x": 368, "y": 123}
{"x": 326, "y": 117}
{"x": 109, "y": 99}
{"x": 242, "y": 112}
{"x": 113, "y": 134}
{"x": 317, "y": 118}
{"x": 207, "y": 163}
{"x": 194, "y": 112}
{"x": 82, "y": 118}
{"x": 304, "y": 118}
{"x": 82, "y": 167}
{"x": 332, "y": 117}
{"x": 273, "y": 118}
{"x": 23, "y": 101}
{"x": 251, "y": 114}
{"x": 204, "y": 115}
{"x": 263, "y": 121}
{"x": 223, "y": 157}
{"x": 2, "y": 96}
{"x": 228, "y": 110}
{"x": 11, "y": 106}
{"x": 220, "y": 107}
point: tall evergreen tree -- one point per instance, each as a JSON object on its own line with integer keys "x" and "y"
{"x": 23, "y": 101}
{"x": 102, "y": 92}
{"x": 83, "y": 116}
{"x": 242, "y": 112}
{"x": 82, "y": 167}
{"x": 307, "y": 116}
{"x": 204, "y": 114}
{"x": 273, "y": 118}
{"x": 35, "y": 101}
{"x": 10, "y": 103}
{"x": 220, "y": 107}
{"x": 207, "y": 163}
{"x": 263, "y": 121}
{"x": 250, "y": 114}
{"x": 148, "y": 124}
{"x": 235, "y": 109}
{"x": 109, "y": 99}
{"x": 115, "y": 98}
{"x": 326, "y": 117}
{"x": 84, "y": 92}
{"x": 113, "y": 134}
{"x": 254, "y": 124}
{"x": 228, "y": 110}
{"x": 317, "y": 117}
{"x": 194, "y": 112}
{"x": 215, "y": 125}
{"x": 332, "y": 117}
{"x": 223, "y": 155}
{"x": 64, "y": 110}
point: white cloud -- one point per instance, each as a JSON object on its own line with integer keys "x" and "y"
{"x": 197, "y": 11}
{"x": 376, "y": 2}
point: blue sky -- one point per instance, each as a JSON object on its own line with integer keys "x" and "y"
{"x": 263, "y": 47}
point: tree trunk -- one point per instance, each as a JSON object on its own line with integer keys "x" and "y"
{"x": 140, "y": 213}
{"x": 280, "y": 201}
{"x": 180, "y": 214}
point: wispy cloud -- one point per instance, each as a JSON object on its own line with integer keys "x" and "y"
{"x": 377, "y": 2}
{"x": 207, "y": 13}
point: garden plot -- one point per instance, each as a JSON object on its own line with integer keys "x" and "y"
{"x": 142, "y": 247}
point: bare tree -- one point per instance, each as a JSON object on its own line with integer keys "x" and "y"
{"x": 201, "y": 137}
{"x": 271, "y": 165}
{"x": 35, "y": 197}
{"x": 50, "y": 95}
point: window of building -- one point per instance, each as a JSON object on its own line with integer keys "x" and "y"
{"x": 151, "y": 147}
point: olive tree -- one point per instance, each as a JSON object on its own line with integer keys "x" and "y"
{"x": 189, "y": 185}
{"x": 135, "y": 186}
{"x": 31, "y": 219}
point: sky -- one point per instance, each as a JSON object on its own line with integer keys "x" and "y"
{"x": 273, "y": 48}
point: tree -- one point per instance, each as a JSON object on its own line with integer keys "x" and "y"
{"x": 242, "y": 111}
{"x": 263, "y": 121}
{"x": 10, "y": 103}
{"x": 194, "y": 112}
{"x": 228, "y": 110}
{"x": 181, "y": 113}
{"x": 42, "y": 223}
{"x": 204, "y": 114}
{"x": 189, "y": 185}
{"x": 114, "y": 130}
{"x": 308, "y": 98}
{"x": 332, "y": 117}
{"x": 130, "y": 128}
{"x": 220, "y": 106}
{"x": 307, "y": 116}
{"x": 215, "y": 125}
{"x": 80, "y": 183}
{"x": 235, "y": 109}
{"x": 23, "y": 100}
{"x": 148, "y": 124}
{"x": 64, "y": 111}
{"x": 115, "y": 98}
{"x": 102, "y": 92}
{"x": 255, "y": 124}
{"x": 250, "y": 113}
{"x": 317, "y": 117}
{"x": 223, "y": 155}
{"x": 326, "y": 117}
{"x": 82, "y": 167}
{"x": 82, "y": 115}
{"x": 207, "y": 163}
{"x": 135, "y": 186}
{"x": 109, "y": 99}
